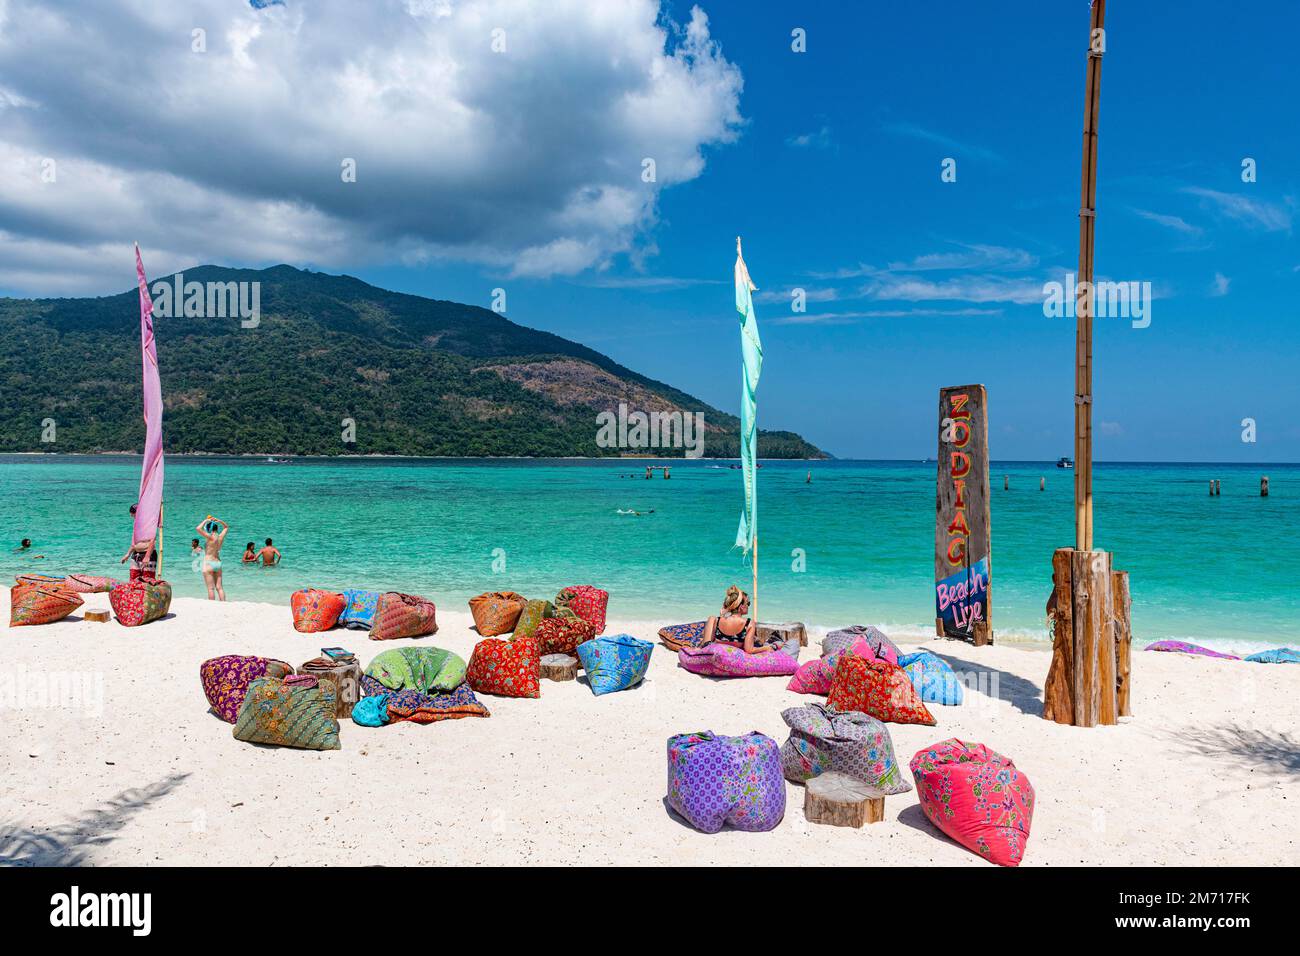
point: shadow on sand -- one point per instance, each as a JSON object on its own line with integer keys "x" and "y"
{"x": 71, "y": 843}
{"x": 1271, "y": 751}
{"x": 1025, "y": 696}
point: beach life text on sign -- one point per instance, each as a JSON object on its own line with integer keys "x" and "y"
{"x": 959, "y": 598}
{"x": 962, "y": 564}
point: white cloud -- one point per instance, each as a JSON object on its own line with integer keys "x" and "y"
{"x": 1176, "y": 223}
{"x": 821, "y": 139}
{"x": 1220, "y": 284}
{"x": 973, "y": 288}
{"x": 1256, "y": 213}
{"x": 528, "y": 160}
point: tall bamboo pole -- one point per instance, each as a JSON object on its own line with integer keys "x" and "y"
{"x": 1084, "y": 305}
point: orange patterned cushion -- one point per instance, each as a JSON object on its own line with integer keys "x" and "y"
{"x": 506, "y": 668}
{"x": 37, "y": 604}
{"x": 878, "y": 688}
{"x": 315, "y": 610}
{"x": 496, "y": 612}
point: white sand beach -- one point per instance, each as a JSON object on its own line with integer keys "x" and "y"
{"x": 1205, "y": 773}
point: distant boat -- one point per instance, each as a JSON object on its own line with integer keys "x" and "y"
{"x": 278, "y": 461}
{"x": 1064, "y": 462}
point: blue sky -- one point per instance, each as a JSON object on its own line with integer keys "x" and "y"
{"x": 885, "y": 95}
{"x": 831, "y": 172}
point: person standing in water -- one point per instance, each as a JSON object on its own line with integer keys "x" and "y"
{"x": 213, "y": 531}
{"x": 269, "y": 555}
{"x": 143, "y": 557}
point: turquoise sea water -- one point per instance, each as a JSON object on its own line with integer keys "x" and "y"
{"x": 1211, "y": 570}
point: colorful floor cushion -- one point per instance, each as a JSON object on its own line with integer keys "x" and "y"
{"x": 977, "y": 797}
{"x": 814, "y": 677}
{"x": 315, "y": 610}
{"x": 1276, "y": 655}
{"x": 496, "y": 612}
{"x": 854, "y": 743}
{"x": 933, "y": 678}
{"x": 50, "y": 579}
{"x": 587, "y": 602}
{"x": 844, "y": 638}
{"x": 89, "y": 583}
{"x": 140, "y": 602}
{"x": 562, "y": 635}
{"x": 614, "y": 663}
{"x": 359, "y": 609}
{"x": 418, "y": 708}
{"x": 31, "y": 604}
{"x": 714, "y": 781}
{"x": 291, "y": 712}
{"x": 533, "y": 614}
{"x": 1182, "y": 647}
{"x": 878, "y": 688}
{"x": 226, "y": 680}
{"x": 506, "y": 668}
{"x": 676, "y": 636}
{"x": 371, "y": 711}
{"x": 421, "y": 669}
{"x": 724, "y": 660}
{"x": 400, "y": 615}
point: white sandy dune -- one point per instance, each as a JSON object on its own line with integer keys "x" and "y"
{"x": 1205, "y": 773}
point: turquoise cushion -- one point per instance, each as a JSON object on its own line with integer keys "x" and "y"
{"x": 359, "y": 610}
{"x": 933, "y": 678}
{"x": 1276, "y": 655}
{"x": 616, "y": 662}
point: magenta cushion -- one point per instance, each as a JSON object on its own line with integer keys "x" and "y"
{"x": 721, "y": 660}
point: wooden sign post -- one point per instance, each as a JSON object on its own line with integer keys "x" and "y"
{"x": 962, "y": 561}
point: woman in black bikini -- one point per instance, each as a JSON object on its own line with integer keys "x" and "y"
{"x": 733, "y": 625}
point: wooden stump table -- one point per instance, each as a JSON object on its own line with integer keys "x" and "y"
{"x": 559, "y": 667}
{"x": 839, "y": 800}
{"x": 103, "y": 617}
{"x": 780, "y": 633}
{"x": 344, "y": 674}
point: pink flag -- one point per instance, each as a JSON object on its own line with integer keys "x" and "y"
{"x": 149, "y": 506}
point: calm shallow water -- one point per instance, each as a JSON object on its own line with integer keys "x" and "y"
{"x": 1212, "y": 570}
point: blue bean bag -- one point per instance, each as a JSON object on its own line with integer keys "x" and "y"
{"x": 359, "y": 611}
{"x": 933, "y": 678}
{"x": 616, "y": 662}
{"x": 1276, "y": 655}
{"x": 371, "y": 711}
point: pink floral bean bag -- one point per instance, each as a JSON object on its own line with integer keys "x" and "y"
{"x": 814, "y": 677}
{"x": 976, "y": 796}
{"x": 722, "y": 660}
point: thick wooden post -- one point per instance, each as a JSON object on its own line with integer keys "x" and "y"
{"x": 962, "y": 539}
{"x": 1081, "y": 681}
{"x": 1057, "y": 691}
{"x": 1263, "y": 487}
{"x": 1121, "y": 606}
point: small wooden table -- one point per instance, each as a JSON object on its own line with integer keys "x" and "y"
{"x": 839, "y": 800}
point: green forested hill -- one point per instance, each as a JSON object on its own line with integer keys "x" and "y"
{"x": 417, "y": 376}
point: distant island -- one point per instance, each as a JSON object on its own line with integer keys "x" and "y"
{"x": 335, "y": 366}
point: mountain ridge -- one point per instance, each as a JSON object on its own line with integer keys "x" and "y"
{"x": 413, "y": 375}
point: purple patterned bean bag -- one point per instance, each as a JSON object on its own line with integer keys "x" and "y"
{"x": 843, "y": 639}
{"x": 714, "y": 781}
{"x": 1182, "y": 647}
{"x": 722, "y": 660}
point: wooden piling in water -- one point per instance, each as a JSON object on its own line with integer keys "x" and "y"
{"x": 1263, "y": 487}
{"x": 1042, "y": 484}
{"x": 1006, "y": 482}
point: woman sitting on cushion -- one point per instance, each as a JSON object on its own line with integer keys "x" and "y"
{"x": 733, "y": 625}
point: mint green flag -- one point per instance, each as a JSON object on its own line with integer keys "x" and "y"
{"x": 751, "y": 351}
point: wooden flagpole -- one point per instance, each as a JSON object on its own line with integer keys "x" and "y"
{"x": 1085, "y": 299}
{"x": 1088, "y": 682}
